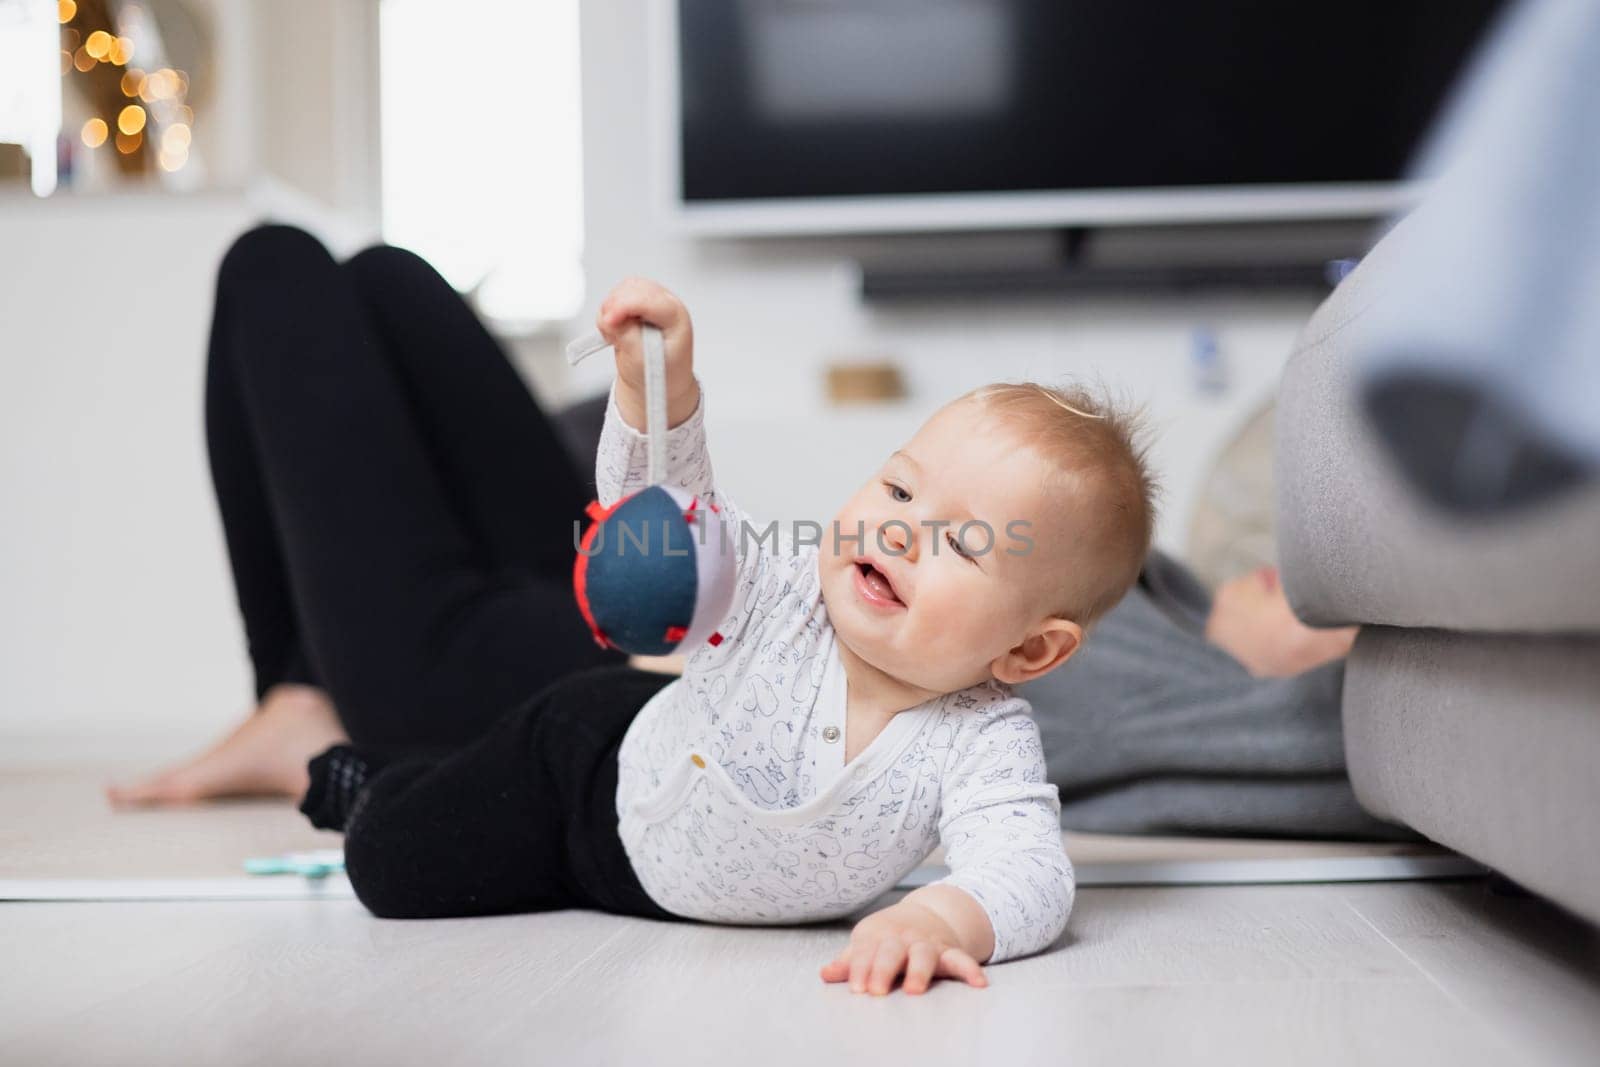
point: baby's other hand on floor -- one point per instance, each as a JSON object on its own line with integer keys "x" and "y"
{"x": 903, "y": 937}
{"x": 1251, "y": 621}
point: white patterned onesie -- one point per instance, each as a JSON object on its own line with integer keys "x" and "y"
{"x": 733, "y": 798}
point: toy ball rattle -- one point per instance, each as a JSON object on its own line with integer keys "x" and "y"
{"x": 655, "y": 571}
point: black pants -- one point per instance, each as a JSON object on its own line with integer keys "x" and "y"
{"x": 398, "y": 514}
{"x": 523, "y": 819}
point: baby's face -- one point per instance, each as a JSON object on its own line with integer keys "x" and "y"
{"x": 906, "y": 599}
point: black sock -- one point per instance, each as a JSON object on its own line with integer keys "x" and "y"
{"x": 337, "y": 776}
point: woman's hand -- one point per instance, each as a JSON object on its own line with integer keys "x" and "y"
{"x": 902, "y": 937}
{"x": 631, "y": 302}
{"x": 1251, "y": 621}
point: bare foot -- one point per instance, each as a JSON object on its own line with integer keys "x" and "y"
{"x": 265, "y": 755}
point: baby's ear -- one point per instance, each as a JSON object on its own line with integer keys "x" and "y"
{"x": 1047, "y": 646}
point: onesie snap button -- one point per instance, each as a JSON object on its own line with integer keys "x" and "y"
{"x": 830, "y": 734}
{"x": 696, "y": 760}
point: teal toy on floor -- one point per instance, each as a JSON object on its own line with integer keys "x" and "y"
{"x": 318, "y": 863}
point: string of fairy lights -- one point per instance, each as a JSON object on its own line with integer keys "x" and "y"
{"x": 151, "y": 114}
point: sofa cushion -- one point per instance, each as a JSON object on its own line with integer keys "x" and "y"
{"x": 1486, "y": 744}
{"x": 1356, "y": 545}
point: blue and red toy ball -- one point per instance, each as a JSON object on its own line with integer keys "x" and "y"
{"x": 655, "y": 572}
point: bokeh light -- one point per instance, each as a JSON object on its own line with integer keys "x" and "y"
{"x": 176, "y": 137}
{"x": 83, "y": 60}
{"x": 98, "y": 44}
{"x": 94, "y": 132}
{"x": 66, "y": 9}
{"x": 128, "y": 143}
{"x": 121, "y": 50}
{"x": 131, "y": 120}
{"x": 131, "y": 81}
{"x": 161, "y": 85}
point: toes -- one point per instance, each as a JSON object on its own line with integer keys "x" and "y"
{"x": 130, "y": 793}
{"x": 125, "y": 796}
{"x": 168, "y": 788}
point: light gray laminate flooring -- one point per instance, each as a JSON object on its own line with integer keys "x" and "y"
{"x": 1405, "y": 973}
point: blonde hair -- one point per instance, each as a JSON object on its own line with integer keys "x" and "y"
{"x": 1100, "y": 448}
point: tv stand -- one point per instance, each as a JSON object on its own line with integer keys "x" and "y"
{"x": 1186, "y": 259}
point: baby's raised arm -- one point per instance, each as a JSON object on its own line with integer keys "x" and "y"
{"x": 622, "y": 462}
{"x": 621, "y": 465}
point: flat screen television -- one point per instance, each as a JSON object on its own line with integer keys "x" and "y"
{"x": 827, "y": 116}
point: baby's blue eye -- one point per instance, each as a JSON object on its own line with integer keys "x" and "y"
{"x": 899, "y": 494}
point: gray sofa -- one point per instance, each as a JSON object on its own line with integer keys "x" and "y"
{"x": 1472, "y": 698}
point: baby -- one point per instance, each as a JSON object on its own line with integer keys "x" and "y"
{"x": 856, "y": 711}
{"x": 852, "y": 713}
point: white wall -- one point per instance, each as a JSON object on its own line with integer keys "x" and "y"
{"x": 769, "y": 314}
{"x": 118, "y": 628}
{"x": 119, "y": 632}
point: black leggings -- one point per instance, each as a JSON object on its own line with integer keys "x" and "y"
{"x": 398, "y": 514}
{"x": 523, "y": 819}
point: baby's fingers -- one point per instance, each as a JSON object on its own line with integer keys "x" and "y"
{"x": 957, "y": 964}
{"x": 886, "y": 965}
{"x": 862, "y": 957}
{"x": 638, "y": 298}
{"x": 920, "y": 966}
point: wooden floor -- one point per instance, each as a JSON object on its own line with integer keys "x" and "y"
{"x": 1435, "y": 972}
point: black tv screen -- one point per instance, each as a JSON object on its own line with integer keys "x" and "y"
{"x": 807, "y": 99}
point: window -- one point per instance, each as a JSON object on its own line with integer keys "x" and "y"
{"x": 30, "y": 86}
{"x": 482, "y": 164}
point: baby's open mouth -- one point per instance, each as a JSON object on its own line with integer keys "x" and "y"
{"x": 875, "y": 583}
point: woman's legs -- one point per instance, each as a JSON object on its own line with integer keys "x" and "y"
{"x": 397, "y": 510}
{"x": 422, "y": 633}
{"x": 260, "y": 576}
{"x": 505, "y": 471}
